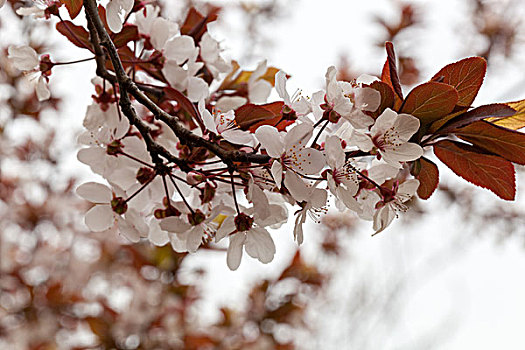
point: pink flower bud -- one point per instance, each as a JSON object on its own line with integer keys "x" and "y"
{"x": 195, "y": 178}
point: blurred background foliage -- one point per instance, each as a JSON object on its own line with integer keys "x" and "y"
{"x": 62, "y": 287}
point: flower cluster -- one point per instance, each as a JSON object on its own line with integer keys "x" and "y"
{"x": 198, "y": 154}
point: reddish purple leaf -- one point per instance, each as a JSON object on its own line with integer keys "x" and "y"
{"x": 488, "y": 171}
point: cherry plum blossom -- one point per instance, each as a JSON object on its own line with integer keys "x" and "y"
{"x": 290, "y": 151}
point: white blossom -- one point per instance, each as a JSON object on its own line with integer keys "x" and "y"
{"x": 26, "y": 59}
{"x": 390, "y": 205}
{"x": 224, "y": 124}
{"x": 311, "y": 199}
{"x": 116, "y": 12}
{"x": 290, "y": 151}
{"x": 390, "y": 135}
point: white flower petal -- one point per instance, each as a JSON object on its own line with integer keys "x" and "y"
{"x": 227, "y": 227}
{"x": 298, "y": 228}
{"x": 383, "y": 217}
{"x": 280, "y": 87}
{"x": 234, "y": 256}
{"x": 407, "y": 189}
{"x": 367, "y": 99}
{"x": 157, "y": 236}
{"x": 259, "y": 91}
{"x": 406, "y": 152}
{"x": 100, "y": 218}
{"x": 116, "y": 11}
{"x": 359, "y": 120}
{"x": 381, "y": 172}
{"x": 95, "y": 192}
{"x": 177, "y": 243}
{"x": 258, "y": 72}
{"x": 361, "y": 140}
{"x": 270, "y": 140}
{"x": 228, "y": 103}
{"x": 176, "y": 76}
{"x": 180, "y": 48}
{"x": 259, "y": 244}
{"x": 207, "y": 118}
{"x": 194, "y": 238}
{"x": 42, "y": 91}
{"x": 239, "y": 137}
{"x": 366, "y": 79}
{"x": 33, "y": 10}
{"x": 197, "y": 89}
{"x": 174, "y": 224}
{"x": 297, "y": 187}
{"x": 406, "y": 126}
{"x": 161, "y": 31}
{"x": 128, "y": 230}
{"x": 260, "y": 202}
{"x": 318, "y": 198}
{"x": 308, "y": 161}
{"x": 384, "y": 122}
{"x": 335, "y": 156}
{"x": 347, "y": 197}
{"x": 112, "y": 16}
{"x": 24, "y": 58}
{"x": 277, "y": 173}
{"x": 298, "y": 136}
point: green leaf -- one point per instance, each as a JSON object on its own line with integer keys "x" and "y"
{"x": 488, "y": 171}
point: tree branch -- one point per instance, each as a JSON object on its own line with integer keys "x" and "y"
{"x": 126, "y": 84}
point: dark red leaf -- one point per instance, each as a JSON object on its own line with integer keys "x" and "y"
{"x": 128, "y": 33}
{"x": 506, "y": 143}
{"x": 495, "y": 111}
{"x": 466, "y": 76}
{"x": 389, "y": 74}
{"x": 102, "y": 15}
{"x": 387, "y": 97}
{"x": 73, "y": 7}
{"x": 251, "y": 116}
{"x": 195, "y": 24}
{"x": 76, "y": 34}
{"x": 428, "y": 176}
{"x": 430, "y": 102}
{"x": 488, "y": 171}
{"x": 185, "y": 104}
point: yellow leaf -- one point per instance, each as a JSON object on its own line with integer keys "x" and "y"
{"x": 220, "y": 219}
{"x": 236, "y": 78}
{"x": 515, "y": 122}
